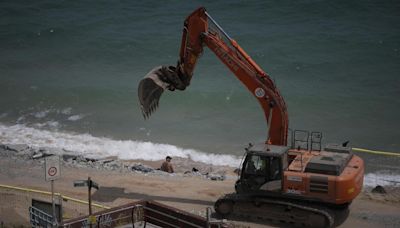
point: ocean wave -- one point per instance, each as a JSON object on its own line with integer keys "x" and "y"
{"x": 99, "y": 147}
{"x": 47, "y": 115}
{"x": 66, "y": 111}
{"x": 381, "y": 178}
{"x": 75, "y": 117}
{"x": 51, "y": 124}
{"x": 41, "y": 114}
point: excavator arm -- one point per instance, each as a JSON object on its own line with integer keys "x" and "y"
{"x": 200, "y": 30}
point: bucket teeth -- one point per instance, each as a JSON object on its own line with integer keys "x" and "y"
{"x": 153, "y": 85}
{"x": 149, "y": 95}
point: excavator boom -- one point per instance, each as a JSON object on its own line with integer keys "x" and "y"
{"x": 200, "y": 30}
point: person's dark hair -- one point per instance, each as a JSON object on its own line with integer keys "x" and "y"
{"x": 168, "y": 157}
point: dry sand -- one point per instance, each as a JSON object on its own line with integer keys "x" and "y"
{"x": 192, "y": 194}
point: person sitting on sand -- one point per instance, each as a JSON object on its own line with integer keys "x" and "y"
{"x": 167, "y": 166}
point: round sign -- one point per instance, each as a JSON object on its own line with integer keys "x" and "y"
{"x": 52, "y": 171}
{"x": 259, "y": 92}
{"x": 52, "y": 168}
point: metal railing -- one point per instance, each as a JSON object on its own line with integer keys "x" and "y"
{"x": 20, "y": 199}
{"x": 39, "y": 218}
{"x": 147, "y": 212}
{"x": 110, "y": 218}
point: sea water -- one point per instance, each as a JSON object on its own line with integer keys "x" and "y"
{"x": 69, "y": 72}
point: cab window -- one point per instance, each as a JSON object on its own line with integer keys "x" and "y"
{"x": 256, "y": 165}
{"x": 269, "y": 167}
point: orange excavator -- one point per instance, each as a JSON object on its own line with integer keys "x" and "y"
{"x": 301, "y": 183}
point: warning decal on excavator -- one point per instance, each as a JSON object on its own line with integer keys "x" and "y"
{"x": 294, "y": 178}
{"x": 293, "y": 191}
{"x": 259, "y": 92}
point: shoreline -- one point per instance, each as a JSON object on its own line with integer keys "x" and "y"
{"x": 95, "y": 147}
{"x": 182, "y": 166}
{"x": 69, "y": 159}
{"x": 91, "y": 146}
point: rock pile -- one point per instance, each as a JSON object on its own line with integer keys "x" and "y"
{"x": 69, "y": 159}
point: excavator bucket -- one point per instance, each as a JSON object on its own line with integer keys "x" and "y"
{"x": 153, "y": 85}
{"x": 149, "y": 96}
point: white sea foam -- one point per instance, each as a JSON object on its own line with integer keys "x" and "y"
{"x": 98, "y": 147}
{"x": 381, "y": 178}
{"x": 41, "y": 114}
{"x": 20, "y": 119}
{"x": 75, "y": 117}
{"x": 52, "y": 124}
{"x": 66, "y": 111}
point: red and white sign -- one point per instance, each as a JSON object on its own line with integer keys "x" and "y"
{"x": 52, "y": 168}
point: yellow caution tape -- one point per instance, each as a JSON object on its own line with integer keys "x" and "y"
{"x": 376, "y": 152}
{"x": 91, "y": 219}
{"x": 56, "y": 194}
{"x": 84, "y": 202}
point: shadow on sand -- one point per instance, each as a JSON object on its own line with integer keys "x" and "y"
{"x": 109, "y": 194}
{"x": 340, "y": 216}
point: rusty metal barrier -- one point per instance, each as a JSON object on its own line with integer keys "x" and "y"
{"x": 21, "y": 198}
{"x": 166, "y": 216}
{"x": 149, "y": 212}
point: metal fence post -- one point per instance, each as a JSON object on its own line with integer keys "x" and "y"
{"x": 60, "y": 201}
{"x": 208, "y": 214}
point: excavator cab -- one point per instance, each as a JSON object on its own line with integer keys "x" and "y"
{"x": 262, "y": 169}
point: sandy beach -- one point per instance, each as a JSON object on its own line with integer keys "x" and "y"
{"x": 193, "y": 193}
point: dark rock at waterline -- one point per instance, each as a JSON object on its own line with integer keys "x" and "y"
{"x": 142, "y": 168}
{"x": 67, "y": 157}
{"x": 15, "y": 148}
{"x": 379, "y": 189}
{"x": 112, "y": 165}
{"x": 216, "y": 177}
{"x": 80, "y": 159}
{"x": 105, "y": 161}
{"x": 91, "y": 159}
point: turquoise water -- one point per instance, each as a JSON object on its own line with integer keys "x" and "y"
{"x": 74, "y": 66}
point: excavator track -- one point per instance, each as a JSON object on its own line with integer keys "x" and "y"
{"x": 270, "y": 210}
